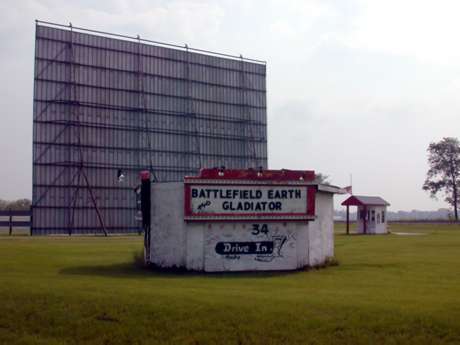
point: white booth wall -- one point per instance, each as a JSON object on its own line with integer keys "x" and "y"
{"x": 374, "y": 220}
{"x": 192, "y": 245}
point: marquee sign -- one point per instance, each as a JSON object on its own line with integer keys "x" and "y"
{"x": 237, "y": 199}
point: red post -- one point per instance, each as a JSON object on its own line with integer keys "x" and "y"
{"x": 348, "y": 220}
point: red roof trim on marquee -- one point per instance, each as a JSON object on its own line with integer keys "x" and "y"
{"x": 254, "y": 174}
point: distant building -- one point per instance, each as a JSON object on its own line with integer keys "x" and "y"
{"x": 371, "y": 215}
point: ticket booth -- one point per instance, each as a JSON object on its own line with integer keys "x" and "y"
{"x": 241, "y": 220}
{"x": 371, "y": 216}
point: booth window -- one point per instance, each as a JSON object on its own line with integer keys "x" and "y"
{"x": 373, "y": 215}
{"x": 383, "y": 216}
{"x": 378, "y": 218}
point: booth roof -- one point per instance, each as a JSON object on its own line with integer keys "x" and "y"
{"x": 359, "y": 200}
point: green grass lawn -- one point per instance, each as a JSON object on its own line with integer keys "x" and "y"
{"x": 387, "y": 289}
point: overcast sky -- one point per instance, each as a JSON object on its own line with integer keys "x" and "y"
{"x": 354, "y": 87}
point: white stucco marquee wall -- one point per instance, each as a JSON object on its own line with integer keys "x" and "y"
{"x": 215, "y": 246}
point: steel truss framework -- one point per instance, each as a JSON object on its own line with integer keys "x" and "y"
{"x": 105, "y": 103}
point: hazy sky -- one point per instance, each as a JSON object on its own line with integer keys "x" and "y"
{"x": 354, "y": 87}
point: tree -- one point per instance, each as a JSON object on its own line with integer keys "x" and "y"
{"x": 20, "y": 205}
{"x": 16, "y": 205}
{"x": 3, "y": 205}
{"x": 321, "y": 178}
{"x": 444, "y": 173}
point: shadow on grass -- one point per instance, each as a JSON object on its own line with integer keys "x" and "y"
{"x": 365, "y": 266}
{"x": 131, "y": 270}
{"x": 357, "y": 234}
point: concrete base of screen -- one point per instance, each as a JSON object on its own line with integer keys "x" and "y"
{"x": 201, "y": 246}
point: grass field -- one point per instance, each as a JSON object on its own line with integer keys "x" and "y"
{"x": 389, "y": 289}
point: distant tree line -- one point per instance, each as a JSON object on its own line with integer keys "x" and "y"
{"x": 442, "y": 214}
{"x": 17, "y": 205}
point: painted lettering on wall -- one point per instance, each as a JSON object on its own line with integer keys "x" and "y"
{"x": 244, "y": 248}
{"x": 263, "y": 250}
